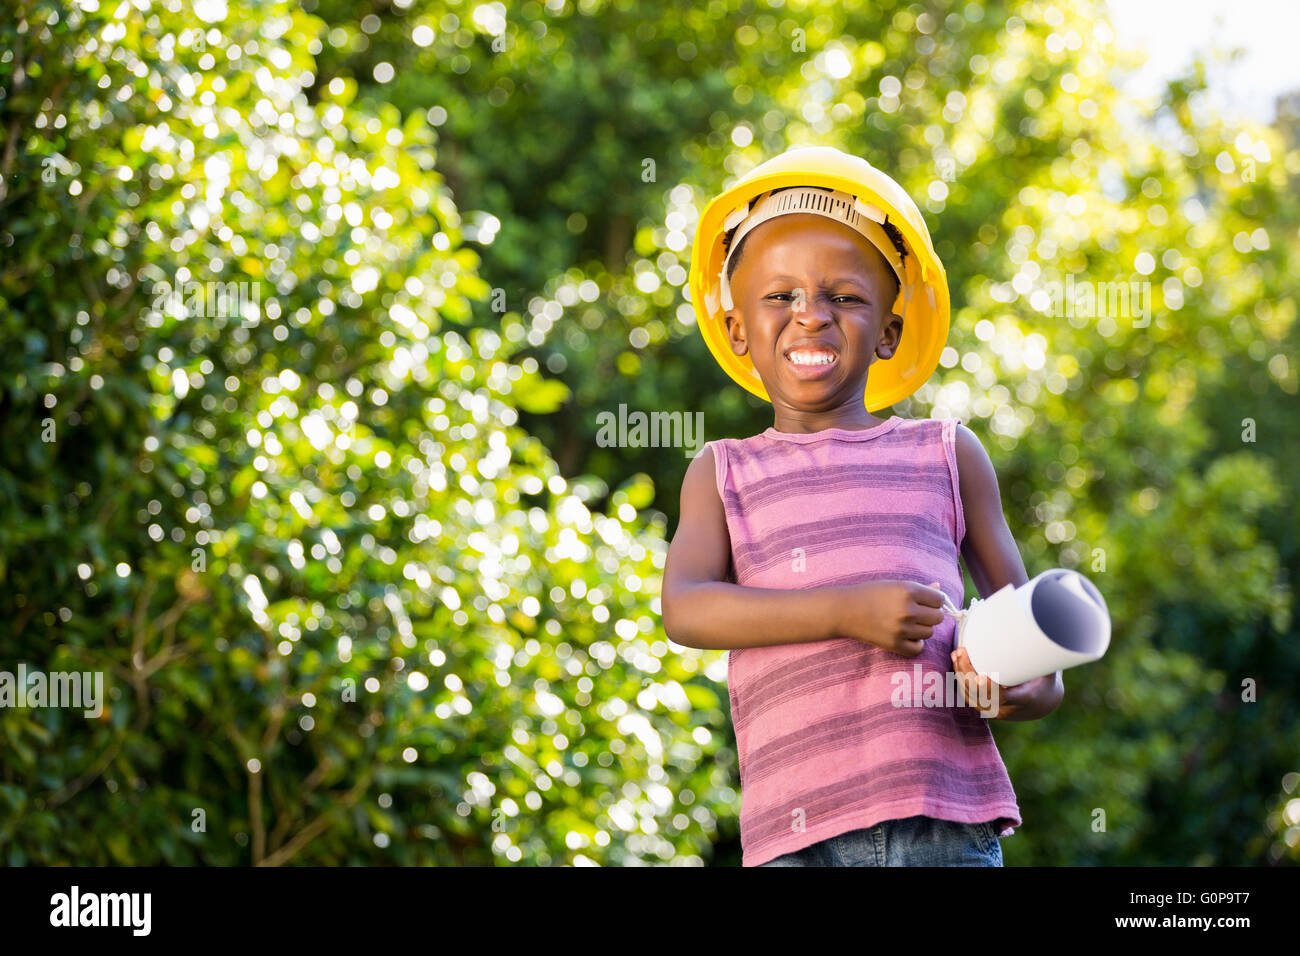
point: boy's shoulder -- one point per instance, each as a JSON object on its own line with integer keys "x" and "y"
{"x": 936, "y": 432}
{"x": 952, "y": 425}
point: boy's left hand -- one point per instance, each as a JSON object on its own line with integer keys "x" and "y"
{"x": 1017, "y": 701}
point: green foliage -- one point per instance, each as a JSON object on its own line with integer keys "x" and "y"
{"x": 345, "y": 606}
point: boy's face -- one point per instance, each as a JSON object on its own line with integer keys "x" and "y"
{"x": 813, "y": 302}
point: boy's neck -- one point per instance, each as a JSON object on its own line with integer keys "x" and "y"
{"x": 848, "y": 417}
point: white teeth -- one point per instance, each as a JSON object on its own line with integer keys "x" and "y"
{"x": 811, "y": 358}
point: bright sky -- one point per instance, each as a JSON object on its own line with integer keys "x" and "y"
{"x": 1169, "y": 31}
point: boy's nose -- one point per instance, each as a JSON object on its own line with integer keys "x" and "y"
{"x": 813, "y": 315}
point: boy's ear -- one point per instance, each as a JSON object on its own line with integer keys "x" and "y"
{"x": 890, "y": 336}
{"x": 736, "y": 333}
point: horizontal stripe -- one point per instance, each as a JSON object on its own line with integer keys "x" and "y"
{"x": 853, "y": 733}
{"x": 834, "y": 662}
{"x": 853, "y": 532}
{"x": 898, "y": 478}
{"x": 881, "y": 785}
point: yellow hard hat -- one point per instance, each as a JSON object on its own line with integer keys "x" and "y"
{"x": 923, "y": 286}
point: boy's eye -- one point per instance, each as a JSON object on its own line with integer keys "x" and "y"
{"x": 788, "y": 295}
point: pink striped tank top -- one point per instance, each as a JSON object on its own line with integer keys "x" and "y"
{"x": 823, "y": 744}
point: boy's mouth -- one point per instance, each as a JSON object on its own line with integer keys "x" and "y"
{"x": 811, "y": 362}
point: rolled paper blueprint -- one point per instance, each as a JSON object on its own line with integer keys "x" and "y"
{"x": 1057, "y": 620}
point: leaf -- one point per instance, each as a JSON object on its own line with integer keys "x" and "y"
{"x": 702, "y": 698}
{"x": 541, "y": 396}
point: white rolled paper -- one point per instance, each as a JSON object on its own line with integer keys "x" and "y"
{"x": 1057, "y": 620}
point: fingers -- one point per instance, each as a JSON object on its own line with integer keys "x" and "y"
{"x": 968, "y": 684}
{"x": 916, "y": 631}
{"x": 930, "y": 596}
{"x": 968, "y": 681}
{"x": 962, "y": 665}
{"x": 979, "y": 690}
{"x": 923, "y": 614}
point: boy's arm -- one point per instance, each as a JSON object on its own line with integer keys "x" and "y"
{"x": 994, "y": 561}
{"x": 701, "y": 608}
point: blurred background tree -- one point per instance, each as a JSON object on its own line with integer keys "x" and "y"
{"x": 402, "y": 429}
{"x": 349, "y": 611}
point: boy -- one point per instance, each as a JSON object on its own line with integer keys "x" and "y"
{"x": 819, "y": 552}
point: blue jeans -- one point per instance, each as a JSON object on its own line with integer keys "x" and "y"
{"x": 913, "y": 841}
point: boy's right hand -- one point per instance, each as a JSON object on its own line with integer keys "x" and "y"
{"x": 895, "y": 616}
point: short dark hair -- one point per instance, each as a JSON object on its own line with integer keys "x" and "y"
{"x": 890, "y": 230}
